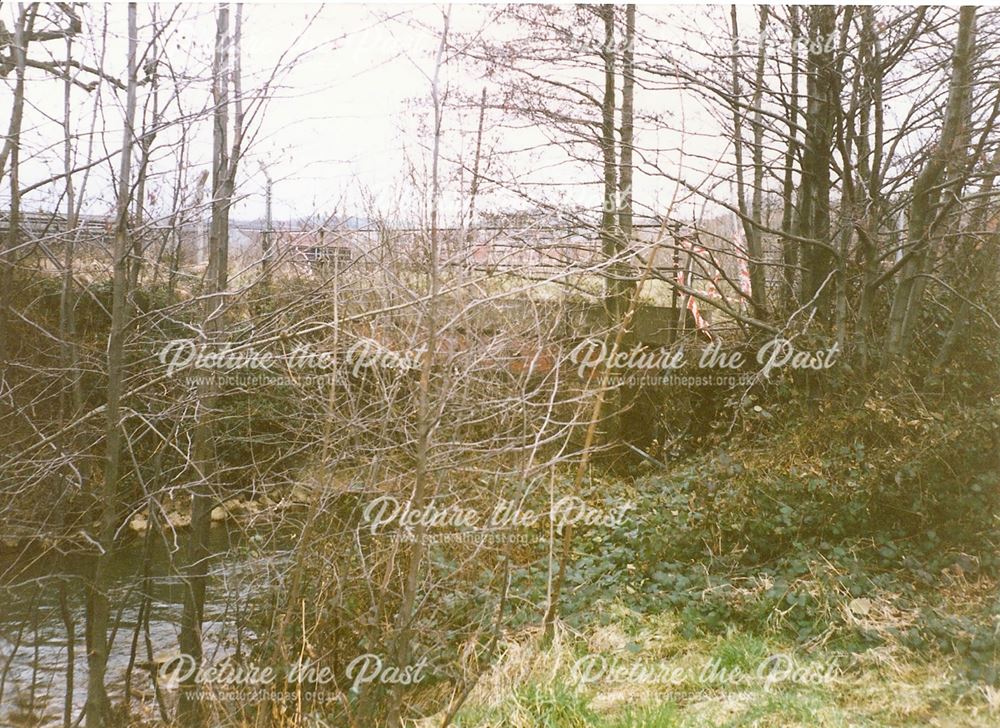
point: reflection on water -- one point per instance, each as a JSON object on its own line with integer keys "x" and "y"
{"x": 33, "y": 637}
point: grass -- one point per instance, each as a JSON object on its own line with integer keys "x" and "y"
{"x": 530, "y": 687}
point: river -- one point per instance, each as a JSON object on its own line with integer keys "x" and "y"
{"x": 33, "y": 637}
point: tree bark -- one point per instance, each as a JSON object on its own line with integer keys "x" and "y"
{"x": 926, "y": 194}
{"x": 790, "y": 248}
{"x": 610, "y": 242}
{"x": 872, "y": 124}
{"x": 474, "y": 186}
{"x": 758, "y": 291}
{"x": 815, "y": 211}
{"x": 627, "y": 127}
{"x": 425, "y": 418}
{"x": 98, "y": 707}
{"x": 217, "y": 279}
{"x": 12, "y": 151}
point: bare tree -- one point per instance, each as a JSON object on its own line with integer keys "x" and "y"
{"x": 225, "y": 161}
{"x": 98, "y": 613}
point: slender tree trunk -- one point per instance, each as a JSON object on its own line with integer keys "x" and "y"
{"x": 99, "y": 606}
{"x": 12, "y": 151}
{"x": 610, "y": 242}
{"x": 789, "y": 247}
{"x": 754, "y": 243}
{"x": 425, "y": 418}
{"x": 178, "y": 218}
{"x": 624, "y": 287}
{"x": 751, "y": 232}
{"x": 474, "y": 186}
{"x": 906, "y": 303}
{"x": 736, "y": 92}
{"x": 67, "y": 303}
{"x": 871, "y": 125}
{"x": 145, "y": 145}
{"x": 627, "y": 133}
{"x": 844, "y": 125}
{"x": 71, "y": 393}
{"x": 217, "y": 275}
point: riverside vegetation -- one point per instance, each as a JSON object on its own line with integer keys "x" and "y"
{"x": 347, "y": 469}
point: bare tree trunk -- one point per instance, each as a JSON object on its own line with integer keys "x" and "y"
{"x": 734, "y": 89}
{"x": 871, "y": 123}
{"x": 815, "y": 212}
{"x": 627, "y": 140}
{"x": 627, "y": 132}
{"x": 789, "y": 247}
{"x": 71, "y": 401}
{"x": 145, "y": 144}
{"x": 98, "y": 707}
{"x": 425, "y": 419}
{"x": 223, "y": 169}
{"x": 177, "y": 217}
{"x": 266, "y": 238}
{"x": 67, "y": 316}
{"x": 12, "y": 150}
{"x": 71, "y": 392}
{"x": 624, "y": 287}
{"x": 750, "y": 230}
{"x": 758, "y": 290}
{"x": 474, "y": 186}
{"x": 906, "y": 303}
{"x": 844, "y": 124}
{"x": 610, "y": 243}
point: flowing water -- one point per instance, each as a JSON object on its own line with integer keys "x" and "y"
{"x": 33, "y": 635}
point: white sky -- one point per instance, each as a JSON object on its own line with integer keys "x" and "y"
{"x": 350, "y": 117}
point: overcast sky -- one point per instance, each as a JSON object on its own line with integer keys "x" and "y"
{"x": 350, "y": 116}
